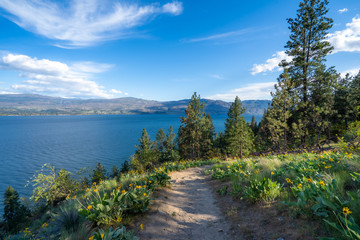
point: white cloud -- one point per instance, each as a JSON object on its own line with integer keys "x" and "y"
{"x": 249, "y": 92}
{"x": 83, "y": 23}
{"x": 343, "y": 10}
{"x": 217, "y": 76}
{"x": 174, "y": 8}
{"x": 271, "y": 64}
{"x": 352, "y": 72}
{"x": 116, "y": 91}
{"x": 218, "y": 36}
{"x": 347, "y": 40}
{"x": 54, "y": 78}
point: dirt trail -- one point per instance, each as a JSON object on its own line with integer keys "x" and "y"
{"x": 186, "y": 211}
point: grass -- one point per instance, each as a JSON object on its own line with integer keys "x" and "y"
{"x": 105, "y": 207}
{"x": 317, "y": 186}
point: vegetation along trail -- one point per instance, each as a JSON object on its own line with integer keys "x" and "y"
{"x": 186, "y": 211}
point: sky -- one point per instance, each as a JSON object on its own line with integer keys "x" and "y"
{"x": 158, "y": 50}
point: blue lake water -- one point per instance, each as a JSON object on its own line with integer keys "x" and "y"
{"x": 73, "y": 142}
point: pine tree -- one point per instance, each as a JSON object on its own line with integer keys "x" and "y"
{"x": 14, "y": 212}
{"x": 280, "y": 111}
{"x": 342, "y": 107}
{"x": 160, "y": 144}
{"x": 322, "y": 102}
{"x": 99, "y": 173}
{"x": 354, "y": 96}
{"x": 263, "y": 140}
{"x": 253, "y": 125}
{"x": 238, "y": 135}
{"x": 308, "y": 48}
{"x": 171, "y": 154}
{"x": 195, "y": 133}
{"x": 145, "y": 156}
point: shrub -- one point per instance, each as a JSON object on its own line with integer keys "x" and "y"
{"x": 265, "y": 190}
{"x": 52, "y": 187}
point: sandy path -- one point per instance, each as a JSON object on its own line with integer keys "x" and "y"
{"x": 186, "y": 211}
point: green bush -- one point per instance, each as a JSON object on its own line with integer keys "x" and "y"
{"x": 52, "y": 187}
{"x": 264, "y": 190}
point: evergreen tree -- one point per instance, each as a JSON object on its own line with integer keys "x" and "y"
{"x": 238, "y": 135}
{"x": 208, "y": 132}
{"x": 99, "y": 173}
{"x": 145, "y": 155}
{"x": 263, "y": 140}
{"x": 253, "y": 125}
{"x": 354, "y": 96}
{"x": 342, "y": 106}
{"x": 14, "y": 212}
{"x": 308, "y": 51}
{"x": 195, "y": 132}
{"x": 165, "y": 144}
{"x": 280, "y": 111}
{"x": 322, "y": 102}
{"x": 171, "y": 154}
{"x": 220, "y": 144}
{"x": 160, "y": 144}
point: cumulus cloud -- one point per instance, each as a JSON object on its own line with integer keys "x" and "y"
{"x": 352, "y": 72}
{"x": 249, "y": 92}
{"x": 83, "y": 23}
{"x": 343, "y": 10}
{"x": 54, "y": 78}
{"x": 271, "y": 64}
{"x": 347, "y": 40}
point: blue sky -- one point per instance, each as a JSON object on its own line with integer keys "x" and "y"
{"x": 159, "y": 50}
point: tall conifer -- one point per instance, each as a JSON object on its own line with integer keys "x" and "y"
{"x": 238, "y": 135}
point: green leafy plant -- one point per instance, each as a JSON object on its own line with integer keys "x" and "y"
{"x": 113, "y": 234}
{"x": 264, "y": 190}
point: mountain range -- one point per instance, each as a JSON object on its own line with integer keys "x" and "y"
{"x": 33, "y": 104}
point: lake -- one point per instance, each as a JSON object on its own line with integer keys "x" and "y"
{"x": 74, "y": 142}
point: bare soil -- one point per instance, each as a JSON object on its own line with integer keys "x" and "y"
{"x": 192, "y": 209}
{"x": 187, "y": 210}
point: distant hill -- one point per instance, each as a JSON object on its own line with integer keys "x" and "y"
{"x": 32, "y": 104}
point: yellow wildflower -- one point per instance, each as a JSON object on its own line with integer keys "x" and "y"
{"x": 145, "y": 194}
{"x": 272, "y": 173}
{"x": 91, "y": 238}
{"x": 89, "y": 207}
{"x": 74, "y": 197}
{"x": 346, "y": 211}
{"x": 118, "y": 219}
{"x": 141, "y": 226}
{"x": 87, "y": 190}
{"x": 95, "y": 190}
{"x": 309, "y": 180}
{"x": 102, "y": 236}
{"x": 322, "y": 183}
{"x": 123, "y": 191}
{"x": 149, "y": 181}
{"x": 67, "y": 197}
{"x": 327, "y": 167}
{"x": 324, "y": 163}
{"x": 300, "y": 185}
